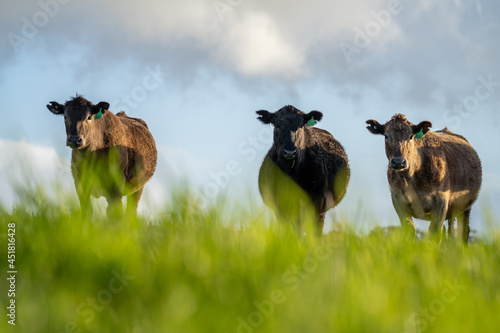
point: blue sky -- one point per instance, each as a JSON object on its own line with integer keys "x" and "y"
{"x": 196, "y": 71}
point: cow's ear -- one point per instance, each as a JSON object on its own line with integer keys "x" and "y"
{"x": 101, "y": 106}
{"x": 422, "y": 127}
{"x": 55, "y": 108}
{"x": 312, "y": 117}
{"x": 375, "y": 127}
{"x": 266, "y": 117}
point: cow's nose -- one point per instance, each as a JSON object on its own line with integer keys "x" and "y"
{"x": 74, "y": 141}
{"x": 289, "y": 154}
{"x": 398, "y": 163}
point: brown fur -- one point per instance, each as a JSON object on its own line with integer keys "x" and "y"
{"x": 117, "y": 157}
{"x": 441, "y": 180}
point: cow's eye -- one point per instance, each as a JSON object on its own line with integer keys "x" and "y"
{"x": 89, "y": 118}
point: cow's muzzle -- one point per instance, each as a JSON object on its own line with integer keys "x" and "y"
{"x": 289, "y": 154}
{"x": 74, "y": 141}
{"x": 398, "y": 163}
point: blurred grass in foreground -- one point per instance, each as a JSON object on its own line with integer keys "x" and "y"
{"x": 224, "y": 269}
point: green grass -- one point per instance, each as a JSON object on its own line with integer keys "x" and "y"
{"x": 237, "y": 270}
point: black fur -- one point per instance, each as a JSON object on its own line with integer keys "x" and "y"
{"x": 320, "y": 169}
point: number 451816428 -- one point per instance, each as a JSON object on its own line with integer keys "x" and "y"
{"x": 11, "y": 247}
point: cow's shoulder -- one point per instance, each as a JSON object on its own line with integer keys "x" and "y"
{"x": 319, "y": 138}
{"x": 431, "y": 140}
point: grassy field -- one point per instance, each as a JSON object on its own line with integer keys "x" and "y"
{"x": 236, "y": 270}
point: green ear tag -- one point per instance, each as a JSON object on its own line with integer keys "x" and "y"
{"x": 99, "y": 114}
{"x": 311, "y": 122}
{"x": 420, "y": 134}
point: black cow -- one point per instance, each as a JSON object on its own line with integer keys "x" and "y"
{"x": 305, "y": 167}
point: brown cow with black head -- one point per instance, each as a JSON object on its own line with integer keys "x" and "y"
{"x": 112, "y": 155}
{"x": 432, "y": 175}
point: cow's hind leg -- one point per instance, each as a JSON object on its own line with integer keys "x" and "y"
{"x": 321, "y": 223}
{"x": 325, "y": 203}
{"x": 133, "y": 202}
{"x": 451, "y": 229}
{"x": 463, "y": 226}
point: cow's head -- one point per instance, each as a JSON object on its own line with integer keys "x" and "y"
{"x": 399, "y": 138}
{"x": 80, "y": 116}
{"x": 289, "y": 124}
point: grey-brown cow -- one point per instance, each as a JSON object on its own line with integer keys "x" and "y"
{"x": 432, "y": 175}
{"x": 112, "y": 155}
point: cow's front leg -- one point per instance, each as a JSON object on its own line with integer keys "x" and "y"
{"x": 85, "y": 206}
{"x": 115, "y": 207}
{"x": 407, "y": 225}
{"x": 438, "y": 216}
{"x": 83, "y": 193}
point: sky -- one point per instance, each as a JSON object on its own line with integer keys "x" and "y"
{"x": 197, "y": 70}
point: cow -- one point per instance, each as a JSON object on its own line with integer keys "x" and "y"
{"x": 112, "y": 155}
{"x": 432, "y": 176}
{"x": 306, "y": 169}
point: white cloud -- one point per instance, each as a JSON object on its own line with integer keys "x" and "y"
{"x": 256, "y": 47}
{"x": 27, "y": 165}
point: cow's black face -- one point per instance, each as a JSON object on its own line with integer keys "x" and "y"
{"x": 399, "y": 136}
{"x": 79, "y": 117}
{"x": 288, "y": 124}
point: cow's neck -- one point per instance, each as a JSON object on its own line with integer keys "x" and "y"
{"x": 99, "y": 133}
{"x": 414, "y": 160}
